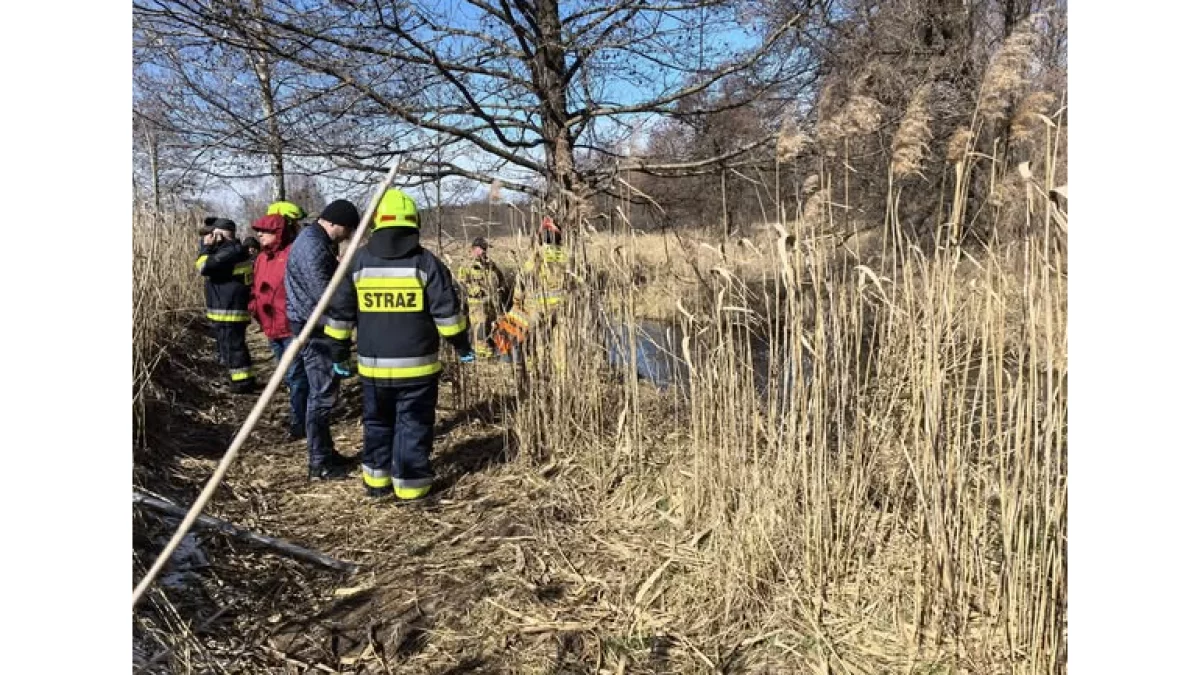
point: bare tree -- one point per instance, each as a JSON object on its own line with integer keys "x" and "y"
{"x": 520, "y": 84}
{"x": 302, "y": 190}
{"x": 238, "y": 111}
{"x": 274, "y": 136}
{"x": 161, "y": 176}
{"x": 704, "y": 125}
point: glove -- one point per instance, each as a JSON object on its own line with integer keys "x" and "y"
{"x": 342, "y": 370}
{"x": 339, "y": 350}
{"x": 469, "y": 357}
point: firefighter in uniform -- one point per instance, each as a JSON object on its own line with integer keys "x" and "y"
{"x": 228, "y": 272}
{"x": 483, "y": 284}
{"x": 545, "y": 273}
{"x": 543, "y": 288}
{"x": 402, "y": 298}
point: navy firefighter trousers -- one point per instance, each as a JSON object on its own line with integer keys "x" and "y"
{"x": 398, "y": 436}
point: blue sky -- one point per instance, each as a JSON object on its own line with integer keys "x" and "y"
{"x": 633, "y": 85}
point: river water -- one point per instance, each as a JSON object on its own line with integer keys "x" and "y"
{"x": 657, "y": 349}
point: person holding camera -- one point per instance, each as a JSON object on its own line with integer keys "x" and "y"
{"x": 228, "y": 271}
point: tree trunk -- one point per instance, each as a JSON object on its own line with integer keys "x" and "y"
{"x": 438, "y": 196}
{"x": 727, "y": 222}
{"x": 550, "y": 78}
{"x": 262, "y": 71}
{"x": 280, "y": 545}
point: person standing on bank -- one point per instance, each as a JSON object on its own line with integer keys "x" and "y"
{"x": 402, "y": 298}
{"x": 268, "y": 306}
{"x": 228, "y": 273}
{"x": 483, "y": 283}
{"x": 310, "y": 267}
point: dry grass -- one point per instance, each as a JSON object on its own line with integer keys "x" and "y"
{"x": 166, "y": 291}
{"x": 883, "y": 493}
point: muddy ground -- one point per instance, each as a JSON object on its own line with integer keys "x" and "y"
{"x": 510, "y": 567}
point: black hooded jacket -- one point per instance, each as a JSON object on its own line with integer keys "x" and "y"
{"x": 229, "y": 271}
{"x": 402, "y": 299}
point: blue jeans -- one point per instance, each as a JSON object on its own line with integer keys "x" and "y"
{"x": 322, "y": 396}
{"x": 297, "y": 383}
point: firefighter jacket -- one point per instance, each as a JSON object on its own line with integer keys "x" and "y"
{"x": 228, "y": 270}
{"x": 402, "y": 298}
{"x": 483, "y": 284}
{"x": 544, "y": 279}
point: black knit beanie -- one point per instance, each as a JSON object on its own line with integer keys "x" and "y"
{"x": 341, "y": 212}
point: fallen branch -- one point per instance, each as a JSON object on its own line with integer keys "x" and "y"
{"x": 285, "y": 547}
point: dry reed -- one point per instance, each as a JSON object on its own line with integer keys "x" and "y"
{"x": 816, "y": 206}
{"x": 911, "y": 141}
{"x": 877, "y": 464}
{"x": 791, "y": 142}
{"x": 1030, "y": 115}
{"x": 857, "y": 471}
{"x": 861, "y": 115}
{"x": 959, "y": 145}
{"x": 1008, "y": 73}
{"x": 165, "y": 289}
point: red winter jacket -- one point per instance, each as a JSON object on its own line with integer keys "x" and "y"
{"x": 268, "y": 302}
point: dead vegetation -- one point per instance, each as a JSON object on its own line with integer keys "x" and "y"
{"x": 885, "y": 493}
{"x": 860, "y": 469}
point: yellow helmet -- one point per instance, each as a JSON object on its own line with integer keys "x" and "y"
{"x": 287, "y": 210}
{"x": 396, "y": 209}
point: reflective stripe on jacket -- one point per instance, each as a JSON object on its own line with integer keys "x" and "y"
{"x": 401, "y": 304}
{"x": 228, "y": 273}
{"x": 545, "y": 276}
{"x": 483, "y": 283}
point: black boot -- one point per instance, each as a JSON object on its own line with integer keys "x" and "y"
{"x": 244, "y": 387}
{"x": 379, "y": 492}
{"x": 329, "y": 470}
